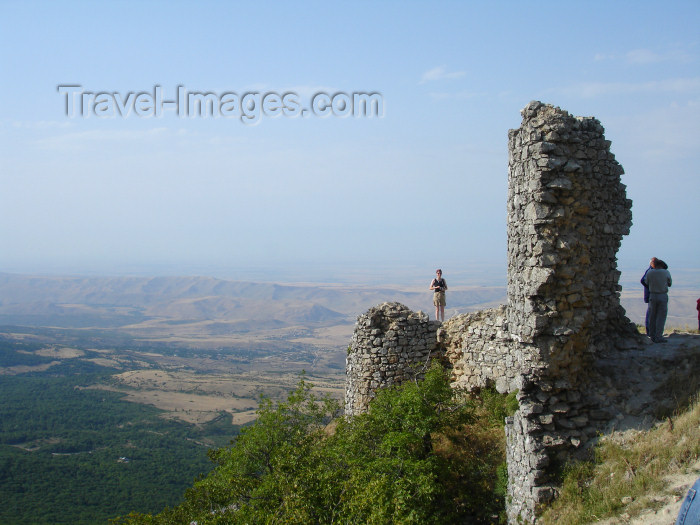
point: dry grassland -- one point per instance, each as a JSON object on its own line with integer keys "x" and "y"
{"x": 198, "y": 398}
{"x": 333, "y": 336}
{"x": 60, "y": 353}
{"x": 189, "y": 407}
{"x": 26, "y": 369}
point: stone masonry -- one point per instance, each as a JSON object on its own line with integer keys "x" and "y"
{"x": 391, "y": 343}
{"x": 567, "y": 214}
{"x": 562, "y": 337}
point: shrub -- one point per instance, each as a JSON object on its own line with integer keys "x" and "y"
{"x": 419, "y": 455}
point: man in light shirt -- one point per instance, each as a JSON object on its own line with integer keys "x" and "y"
{"x": 659, "y": 281}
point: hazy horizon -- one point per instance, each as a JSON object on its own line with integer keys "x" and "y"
{"x": 422, "y": 183}
{"x": 474, "y": 288}
{"x": 471, "y": 274}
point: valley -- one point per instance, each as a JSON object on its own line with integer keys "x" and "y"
{"x": 136, "y": 378}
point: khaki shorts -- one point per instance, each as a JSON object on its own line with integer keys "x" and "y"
{"x": 439, "y": 299}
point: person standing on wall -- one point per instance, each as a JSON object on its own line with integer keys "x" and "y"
{"x": 658, "y": 279}
{"x": 698, "y": 314}
{"x": 439, "y": 286}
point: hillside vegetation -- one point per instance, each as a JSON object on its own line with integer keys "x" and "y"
{"x": 630, "y": 475}
{"x": 73, "y": 455}
{"x": 423, "y": 453}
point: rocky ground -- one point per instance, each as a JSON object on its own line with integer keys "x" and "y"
{"x": 670, "y": 502}
{"x": 639, "y": 396}
{"x": 648, "y": 381}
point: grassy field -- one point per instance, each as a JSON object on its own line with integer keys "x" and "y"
{"x": 93, "y": 406}
{"x": 192, "y": 385}
{"x": 634, "y": 474}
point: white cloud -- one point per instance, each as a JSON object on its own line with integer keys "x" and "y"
{"x": 646, "y": 56}
{"x": 441, "y": 73}
{"x": 642, "y": 56}
{"x": 307, "y": 92}
{"x": 459, "y": 95}
{"x": 602, "y": 56}
{"x": 666, "y": 133}
{"x": 596, "y": 89}
{"x": 41, "y": 124}
{"x": 82, "y": 140}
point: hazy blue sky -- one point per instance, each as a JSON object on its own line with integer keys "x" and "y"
{"x": 424, "y": 185}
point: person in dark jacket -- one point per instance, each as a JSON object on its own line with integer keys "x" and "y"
{"x": 658, "y": 279}
{"x": 661, "y": 264}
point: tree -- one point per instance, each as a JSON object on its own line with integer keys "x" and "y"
{"x": 385, "y": 466}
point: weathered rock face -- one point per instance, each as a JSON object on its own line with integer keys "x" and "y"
{"x": 481, "y": 350}
{"x": 391, "y": 343}
{"x": 563, "y": 336}
{"x": 567, "y": 213}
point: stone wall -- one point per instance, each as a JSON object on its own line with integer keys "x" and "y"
{"x": 481, "y": 351}
{"x": 563, "y": 335}
{"x": 391, "y": 343}
{"x": 567, "y": 214}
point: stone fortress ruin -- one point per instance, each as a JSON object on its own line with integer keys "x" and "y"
{"x": 562, "y": 341}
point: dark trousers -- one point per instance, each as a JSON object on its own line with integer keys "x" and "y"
{"x": 658, "y": 309}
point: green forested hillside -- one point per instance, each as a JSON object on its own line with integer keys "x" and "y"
{"x": 422, "y": 454}
{"x": 81, "y": 456}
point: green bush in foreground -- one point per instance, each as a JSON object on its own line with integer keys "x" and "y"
{"x": 408, "y": 460}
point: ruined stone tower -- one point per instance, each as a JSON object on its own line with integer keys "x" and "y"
{"x": 390, "y": 344}
{"x": 567, "y": 214}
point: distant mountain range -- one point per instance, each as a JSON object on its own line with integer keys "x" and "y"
{"x": 203, "y": 306}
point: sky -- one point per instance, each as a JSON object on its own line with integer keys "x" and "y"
{"x": 420, "y": 185}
